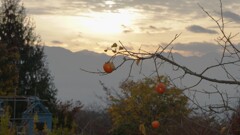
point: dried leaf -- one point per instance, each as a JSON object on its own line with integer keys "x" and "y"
{"x": 114, "y": 51}
{"x": 120, "y": 48}
{"x": 114, "y": 45}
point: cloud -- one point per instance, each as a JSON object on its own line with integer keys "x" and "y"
{"x": 39, "y": 11}
{"x": 199, "y": 48}
{"x": 93, "y": 5}
{"x": 153, "y": 29}
{"x": 154, "y": 10}
{"x": 200, "y": 29}
{"x": 56, "y": 42}
{"x": 232, "y": 16}
{"x": 150, "y": 27}
{"x": 74, "y": 7}
{"x": 126, "y": 29}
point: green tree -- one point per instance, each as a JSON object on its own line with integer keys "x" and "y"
{"x": 16, "y": 29}
{"x": 8, "y": 70}
{"x": 138, "y": 103}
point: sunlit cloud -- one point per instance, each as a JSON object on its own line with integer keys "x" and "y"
{"x": 154, "y": 29}
{"x": 108, "y": 22}
{"x": 57, "y": 42}
{"x": 127, "y": 29}
{"x": 93, "y": 24}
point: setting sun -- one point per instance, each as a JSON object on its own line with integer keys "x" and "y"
{"x": 109, "y": 22}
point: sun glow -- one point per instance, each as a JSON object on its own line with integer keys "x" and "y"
{"x": 109, "y": 23}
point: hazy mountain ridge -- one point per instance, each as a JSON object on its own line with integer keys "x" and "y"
{"x": 73, "y": 83}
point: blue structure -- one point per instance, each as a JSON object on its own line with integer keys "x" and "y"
{"x": 1, "y": 109}
{"x": 35, "y": 107}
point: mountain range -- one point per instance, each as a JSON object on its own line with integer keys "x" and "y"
{"x": 75, "y": 84}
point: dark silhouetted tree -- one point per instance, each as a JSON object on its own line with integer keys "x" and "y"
{"x": 17, "y": 30}
{"x": 8, "y": 70}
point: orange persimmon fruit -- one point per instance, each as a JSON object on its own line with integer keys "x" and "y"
{"x": 160, "y": 88}
{"x": 155, "y": 124}
{"x": 108, "y": 67}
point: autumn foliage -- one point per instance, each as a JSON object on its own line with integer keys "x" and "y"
{"x": 138, "y": 103}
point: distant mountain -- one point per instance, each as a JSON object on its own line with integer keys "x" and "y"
{"x": 73, "y": 83}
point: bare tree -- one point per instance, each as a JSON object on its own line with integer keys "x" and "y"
{"x": 228, "y": 62}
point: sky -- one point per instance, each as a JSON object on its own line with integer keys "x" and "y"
{"x": 97, "y": 24}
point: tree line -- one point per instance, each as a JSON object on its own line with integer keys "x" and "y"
{"x": 23, "y": 67}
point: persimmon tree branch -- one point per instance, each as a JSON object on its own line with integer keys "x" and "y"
{"x": 188, "y": 71}
{"x": 229, "y": 56}
{"x": 158, "y": 54}
{"x": 138, "y": 56}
